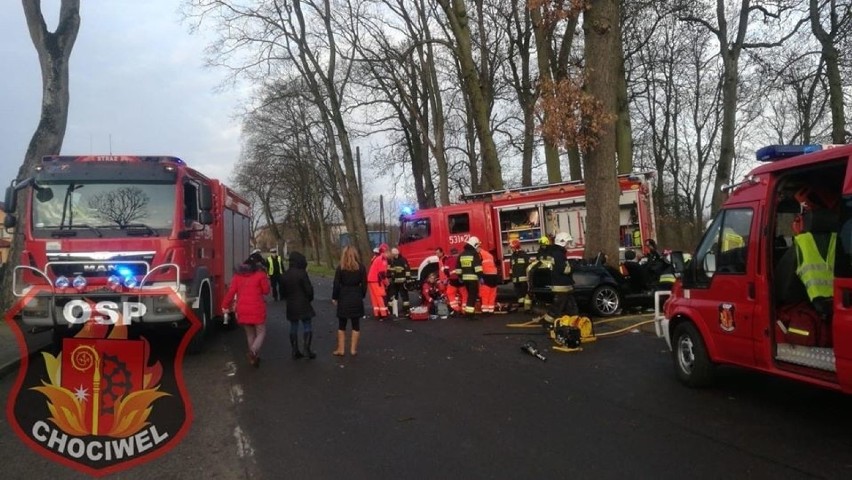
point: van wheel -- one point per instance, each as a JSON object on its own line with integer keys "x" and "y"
{"x": 692, "y": 364}
{"x": 605, "y": 301}
{"x": 196, "y": 345}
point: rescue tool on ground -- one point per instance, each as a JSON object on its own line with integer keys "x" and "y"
{"x": 104, "y": 227}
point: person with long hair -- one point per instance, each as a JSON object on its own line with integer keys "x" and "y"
{"x": 349, "y": 290}
{"x": 249, "y": 285}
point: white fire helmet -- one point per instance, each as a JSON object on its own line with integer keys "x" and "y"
{"x": 563, "y": 239}
{"x": 473, "y": 242}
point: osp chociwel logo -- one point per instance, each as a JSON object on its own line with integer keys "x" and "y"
{"x": 105, "y": 400}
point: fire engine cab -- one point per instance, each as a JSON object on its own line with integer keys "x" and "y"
{"x": 770, "y": 285}
{"x": 526, "y": 214}
{"x": 104, "y": 227}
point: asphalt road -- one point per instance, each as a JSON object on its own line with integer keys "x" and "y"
{"x": 458, "y": 399}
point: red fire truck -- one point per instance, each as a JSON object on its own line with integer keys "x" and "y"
{"x": 105, "y": 226}
{"x": 527, "y": 214}
{"x": 770, "y": 286}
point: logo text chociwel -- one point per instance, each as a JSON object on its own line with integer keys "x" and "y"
{"x": 104, "y": 313}
{"x": 97, "y": 450}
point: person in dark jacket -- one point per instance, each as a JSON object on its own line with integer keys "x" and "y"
{"x": 519, "y": 262}
{"x": 249, "y": 285}
{"x": 348, "y": 292}
{"x": 399, "y": 272}
{"x": 299, "y": 293}
{"x": 562, "y": 279}
{"x": 469, "y": 269}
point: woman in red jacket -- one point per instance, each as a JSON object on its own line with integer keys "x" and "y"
{"x": 250, "y": 284}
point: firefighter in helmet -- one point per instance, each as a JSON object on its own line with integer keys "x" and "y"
{"x": 469, "y": 269}
{"x": 562, "y": 281}
{"x": 400, "y": 272}
{"x": 519, "y": 261}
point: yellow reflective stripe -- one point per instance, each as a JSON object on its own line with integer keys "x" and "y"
{"x": 561, "y": 288}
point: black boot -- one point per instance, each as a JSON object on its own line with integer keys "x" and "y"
{"x": 308, "y": 337}
{"x": 294, "y": 342}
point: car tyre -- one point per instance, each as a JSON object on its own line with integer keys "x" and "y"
{"x": 605, "y": 301}
{"x": 692, "y": 364}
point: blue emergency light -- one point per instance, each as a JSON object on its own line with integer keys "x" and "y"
{"x": 779, "y": 152}
{"x": 407, "y": 210}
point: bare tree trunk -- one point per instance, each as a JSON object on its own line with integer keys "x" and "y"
{"x": 544, "y": 54}
{"x": 601, "y": 32}
{"x": 831, "y": 57}
{"x": 623, "y": 129}
{"x": 575, "y": 163}
{"x": 456, "y": 12}
{"x": 437, "y": 108}
{"x": 54, "y": 53}
{"x": 730, "y": 52}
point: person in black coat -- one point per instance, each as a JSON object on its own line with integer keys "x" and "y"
{"x": 299, "y": 293}
{"x": 350, "y": 288}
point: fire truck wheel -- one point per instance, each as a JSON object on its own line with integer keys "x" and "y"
{"x": 692, "y": 364}
{"x": 196, "y": 345}
{"x": 606, "y": 301}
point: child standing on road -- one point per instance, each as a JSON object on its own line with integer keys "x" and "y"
{"x": 249, "y": 285}
{"x": 349, "y": 290}
{"x": 298, "y": 292}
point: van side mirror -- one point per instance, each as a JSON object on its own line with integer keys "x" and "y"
{"x": 10, "y": 221}
{"x": 710, "y": 264}
{"x": 11, "y": 200}
{"x": 205, "y": 200}
{"x": 678, "y": 263}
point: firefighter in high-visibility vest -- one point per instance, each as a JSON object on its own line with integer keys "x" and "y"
{"x": 815, "y": 255}
{"x": 399, "y": 272}
{"x": 275, "y": 269}
{"x": 562, "y": 280}
{"x": 469, "y": 270}
{"x": 490, "y": 279}
{"x": 519, "y": 261}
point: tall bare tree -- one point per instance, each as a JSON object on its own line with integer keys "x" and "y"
{"x": 555, "y": 24}
{"x": 601, "y": 32}
{"x": 839, "y": 24}
{"x": 300, "y": 37}
{"x": 732, "y": 42}
{"x": 477, "y": 92}
{"x": 54, "y": 54}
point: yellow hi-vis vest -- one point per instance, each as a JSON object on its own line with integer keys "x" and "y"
{"x": 815, "y": 272}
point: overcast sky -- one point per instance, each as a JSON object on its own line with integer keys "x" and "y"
{"x": 137, "y": 77}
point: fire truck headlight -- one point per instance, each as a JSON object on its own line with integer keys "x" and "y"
{"x": 79, "y": 282}
{"x": 114, "y": 282}
{"x": 62, "y": 282}
{"x": 130, "y": 281}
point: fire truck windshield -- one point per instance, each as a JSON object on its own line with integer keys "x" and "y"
{"x": 102, "y": 209}
{"x": 412, "y": 229}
